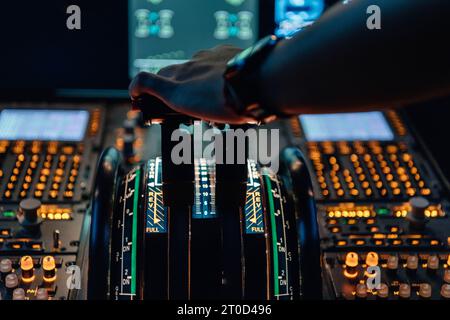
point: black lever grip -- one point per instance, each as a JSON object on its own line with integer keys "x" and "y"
{"x": 155, "y": 111}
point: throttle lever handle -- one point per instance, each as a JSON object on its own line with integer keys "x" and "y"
{"x": 155, "y": 111}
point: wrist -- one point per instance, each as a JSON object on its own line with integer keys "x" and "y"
{"x": 243, "y": 83}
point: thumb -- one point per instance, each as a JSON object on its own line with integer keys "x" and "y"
{"x": 151, "y": 84}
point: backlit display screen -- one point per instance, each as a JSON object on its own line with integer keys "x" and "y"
{"x": 165, "y": 32}
{"x": 29, "y": 124}
{"x": 346, "y": 127}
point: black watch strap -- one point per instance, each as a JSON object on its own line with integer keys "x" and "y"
{"x": 242, "y": 82}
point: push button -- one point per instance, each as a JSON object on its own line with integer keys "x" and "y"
{"x": 445, "y": 291}
{"x": 18, "y": 294}
{"x": 361, "y": 291}
{"x": 383, "y": 292}
{"x": 404, "y": 291}
{"x": 425, "y": 290}
{"x": 49, "y": 267}
{"x": 5, "y": 266}
{"x": 412, "y": 263}
{"x": 11, "y": 281}
{"x": 41, "y": 294}
{"x": 351, "y": 264}
{"x": 27, "y": 267}
{"x": 433, "y": 263}
{"x": 372, "y": 259}
{"x": 392, "y": 263}
{"x": 447, "y": 275}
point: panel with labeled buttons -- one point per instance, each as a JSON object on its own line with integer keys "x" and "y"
{"x": 380, "y": 203}
{"x": 37, "y": 277}
{"x": 411, "y": 275}
{"x": 48, "y": 155}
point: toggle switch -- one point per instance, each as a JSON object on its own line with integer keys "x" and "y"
{"x": 56, "y": 240}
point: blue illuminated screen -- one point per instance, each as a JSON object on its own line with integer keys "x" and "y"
{"x": 165, "y": 32}
{"x": 28, "y": 124}
{"x": 346, "y": 127}
{"x": 293, "y": 15}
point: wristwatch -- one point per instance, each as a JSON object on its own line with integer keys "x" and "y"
{"x": 242, "y": 88}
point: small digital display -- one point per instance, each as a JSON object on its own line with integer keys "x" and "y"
{"x": 28, "y": 124}
{"x": 346, "y": 127}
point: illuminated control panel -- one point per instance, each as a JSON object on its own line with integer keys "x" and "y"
{"x": 367, "y": 170}
{"x": 44, "y": 159}
{"x": 380, "y": 204}
{"x": 47, "y": 160}
{"x": 166, "y": 32}
{"x": 413, "y": 275}
{"x": 33, "y": 277}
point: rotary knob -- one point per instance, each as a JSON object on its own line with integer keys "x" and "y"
{"x": 28, "y": 216}
{"x": 416, "y": 216}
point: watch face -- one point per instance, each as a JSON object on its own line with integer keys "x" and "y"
{"x": 239, "y": 60}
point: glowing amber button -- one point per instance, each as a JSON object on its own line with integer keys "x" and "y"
{"x": 335, "y": 230}
{"x": 26, "y": 265}
{"x": 351, "y": 260}
{"x": 49, "y": 267}
{"x": 372, "y": 259}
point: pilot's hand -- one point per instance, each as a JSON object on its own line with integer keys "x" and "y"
{"x": 195, "y": 88}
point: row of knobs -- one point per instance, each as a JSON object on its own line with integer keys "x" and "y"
{"x": 404, "y": 291}
{"x": 412, "y": 264}
{"x": 12, "y": 281}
